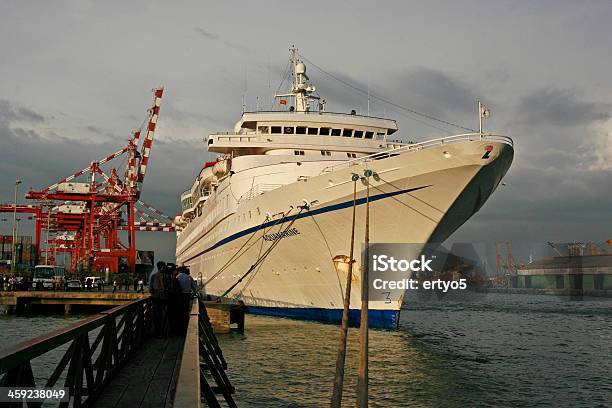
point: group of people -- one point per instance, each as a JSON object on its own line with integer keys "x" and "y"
{"x": 172, "y": 289}
{"x": 138, "y": 285}
{"x": 10, "y": 283}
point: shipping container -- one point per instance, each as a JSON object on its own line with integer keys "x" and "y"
{"x": 73, "y": 187}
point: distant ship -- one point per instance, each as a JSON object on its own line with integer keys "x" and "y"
{"x": 283, "y": 180}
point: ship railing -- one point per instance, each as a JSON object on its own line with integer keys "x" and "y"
{"x": 320, "y": 113}
{"x": 185, "y": 194}
{"x": 240, "y": 137}
{"x": 413, "y": 147}
{"x": 258, "y": 189}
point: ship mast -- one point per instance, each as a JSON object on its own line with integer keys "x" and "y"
{"x": 301, "y": 89}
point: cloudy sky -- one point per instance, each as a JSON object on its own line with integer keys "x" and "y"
{"x": 76, "y": 76}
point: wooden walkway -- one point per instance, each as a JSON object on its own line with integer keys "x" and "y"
{"x": 148, "y": 379}
{"x": 111, "y": 360}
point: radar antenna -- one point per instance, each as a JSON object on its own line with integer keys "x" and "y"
{"x": 301, "y": 89}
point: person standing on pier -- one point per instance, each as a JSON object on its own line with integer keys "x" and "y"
{"x": 157, "y": 288}
{"x": 160, "y": 266}
{"x": 188, "y": 289}
{"x": 173, "y": 293}
{"x": 114, "y": 285}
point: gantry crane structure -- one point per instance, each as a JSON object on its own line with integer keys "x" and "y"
{"x": 86, "y": 217}
{"x": 36, "y": 212}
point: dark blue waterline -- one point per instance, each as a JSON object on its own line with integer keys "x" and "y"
{"x": 334, "y": 207}
{"x": 381, "y": 319}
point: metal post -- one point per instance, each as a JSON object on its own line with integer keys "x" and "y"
{"x": 131, "y": 238}
{"x": 47, "y": 237}
{"x": 37, "y": 234}
{"x": 480, "y": 118}
{"x": 362, "y": 374}
{"x": 339, "y": 377}
{"x": 13, "y": 254}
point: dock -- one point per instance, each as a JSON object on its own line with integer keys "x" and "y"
{"x": 112, "y": 360}
{"x": 20, "y": 301}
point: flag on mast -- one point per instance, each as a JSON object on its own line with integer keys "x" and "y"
{"x": 484, "y": 111}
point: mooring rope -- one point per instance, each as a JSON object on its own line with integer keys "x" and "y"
{"x": 265, "y": 254}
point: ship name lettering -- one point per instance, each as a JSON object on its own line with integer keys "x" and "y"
{"x": 279, "y": 235}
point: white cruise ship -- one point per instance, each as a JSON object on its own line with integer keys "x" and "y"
{"x": 264, "y": 221}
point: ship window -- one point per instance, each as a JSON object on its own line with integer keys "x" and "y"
{"x": 288, "y": 130}
{"x": 369, "y": 135}
{"x": 352, "y": 155}
{"x": 313, "y": 131}
{"x": 264, "y": 129}
{"x": 359, "y": 133}
{"x": 347, "y": 132}
{"x": 380, "y": 134}
{"x": 325, "y": 153}
{"x": 300, "y": 130}
{"x": 324, "y": 131}
{"x": 336, "y": 132}
{"x": 276, "y": 129}
{"x": 298, "y": 152}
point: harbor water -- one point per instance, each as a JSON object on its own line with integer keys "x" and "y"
{"x": 494, "y": 350}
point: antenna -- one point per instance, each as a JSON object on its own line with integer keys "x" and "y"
{"x": 368, "y": 94}
{"x": 244, "y": 95}
{"x": 269, "y": 85}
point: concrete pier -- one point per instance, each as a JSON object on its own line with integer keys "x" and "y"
{"x": 19, "y": 301}
{"x": 223, "y": 315}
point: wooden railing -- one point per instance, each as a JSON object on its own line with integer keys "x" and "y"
{"x": 117, "y": 334}
{"x": 202, "y": 376}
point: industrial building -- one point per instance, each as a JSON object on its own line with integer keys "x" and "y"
{"x": 578, "y": 270}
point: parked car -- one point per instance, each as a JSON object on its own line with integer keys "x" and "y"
{"x": 73, "y": 284}
{"x": 95, "y": 279}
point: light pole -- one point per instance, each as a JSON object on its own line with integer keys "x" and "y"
{"x": 17, "y": 183}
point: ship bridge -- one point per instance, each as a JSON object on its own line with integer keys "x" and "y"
{"x": 304, "y": 127}
{"x": 267, "y": 132}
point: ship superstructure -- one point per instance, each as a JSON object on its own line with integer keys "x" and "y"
{"x": 265, "y": 220}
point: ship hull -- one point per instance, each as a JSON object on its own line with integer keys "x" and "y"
{"x": 418, "y": 198}
{"x": 382, "y": 319}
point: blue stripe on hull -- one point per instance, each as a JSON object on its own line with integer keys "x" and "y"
{"x": 316, "y": 211}
{"x": 383, "y": 319}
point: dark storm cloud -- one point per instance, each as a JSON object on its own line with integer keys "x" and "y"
{"x": 206, "y": 34}
{"x": 436, "y": 91}
{"x": 544, "y": 204}
{"x": 94, "y": 129}
{"x": 425, "y": 90}
{"x": 560, "y": 107}
{"x": 214, "y": 37}
{"x": 10, "y": 112}
{"x": 342, "y": 91}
